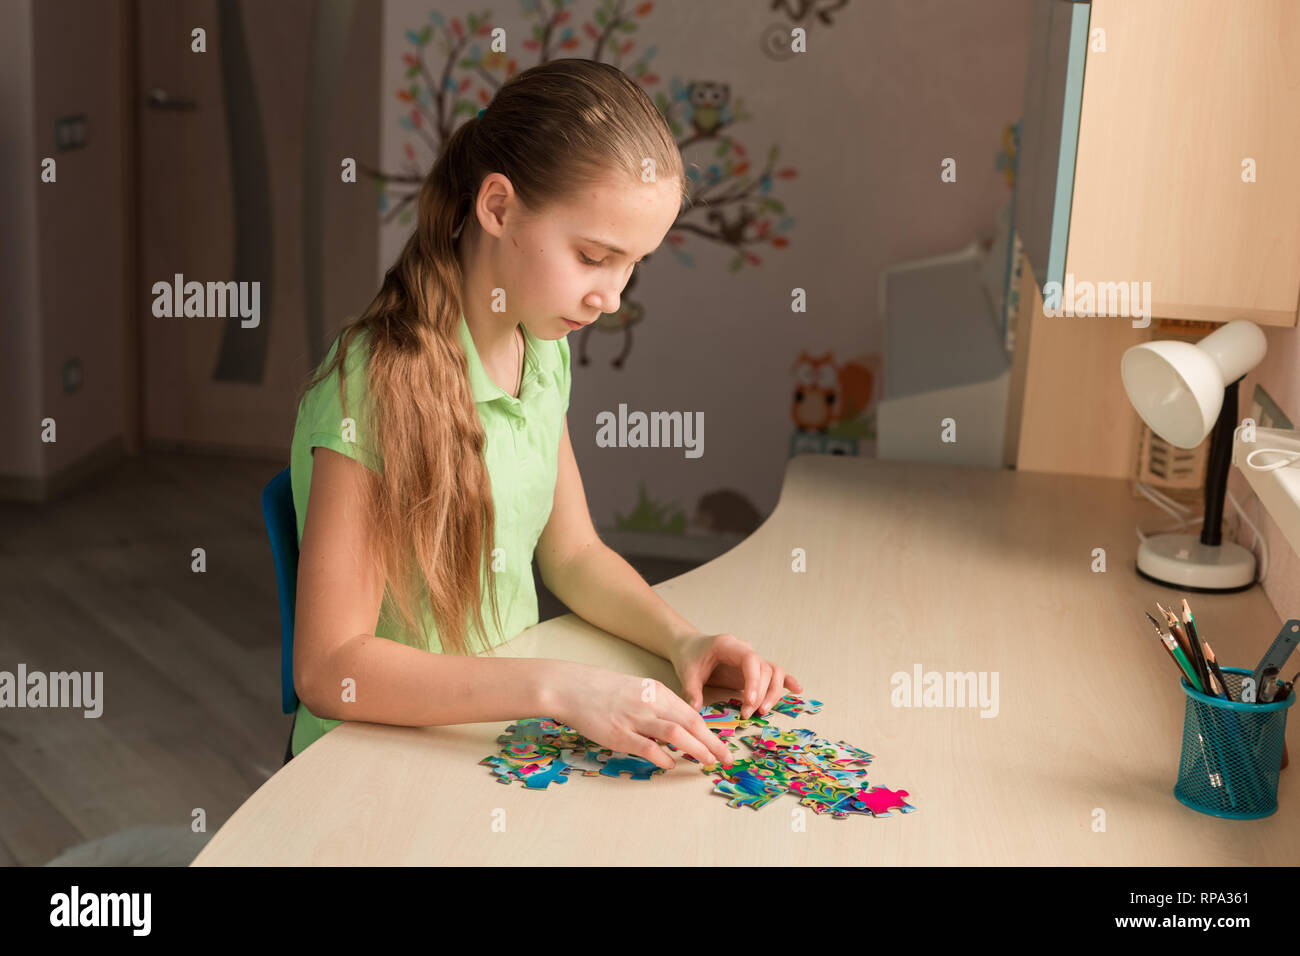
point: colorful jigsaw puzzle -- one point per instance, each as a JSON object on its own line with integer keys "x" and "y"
{"x": 829, "y": 778}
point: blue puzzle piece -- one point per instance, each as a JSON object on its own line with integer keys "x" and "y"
{"x": 551, "y": 773}
{"x": 625, "y": 763}
{"x": 745, "y": 789}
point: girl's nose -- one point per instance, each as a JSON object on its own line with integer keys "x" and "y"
{"x": 606, "y": 301}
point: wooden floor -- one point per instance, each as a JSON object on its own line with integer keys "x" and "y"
{"x": 101, "y": 580}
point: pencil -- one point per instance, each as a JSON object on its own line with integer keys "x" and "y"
{"x": 1160, "y": 636}
{"x": 1169, "y": 619}
{"x": 1184, "y": 653}
{"x": 1214, "y": 666}
{"x": 1215, "y": 779}
{"x": 1165, "y": 641}
{"x": 1217, "y": 723}
{"x": 1199, "y": 660}
{"x": 1180, "y": 634}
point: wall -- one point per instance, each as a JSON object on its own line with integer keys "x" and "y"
{"x": 20, "y": 378}
{"x": 63, "y": 272}
{"x": 863, "y": 121}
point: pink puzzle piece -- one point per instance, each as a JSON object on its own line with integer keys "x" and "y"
{"x": 881, "y": 800}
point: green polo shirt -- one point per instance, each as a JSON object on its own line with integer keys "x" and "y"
{"x": 522, "y": 449}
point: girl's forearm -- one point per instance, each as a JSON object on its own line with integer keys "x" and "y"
{"x": 382, "y": 681}
{"x": 603, "y": 589}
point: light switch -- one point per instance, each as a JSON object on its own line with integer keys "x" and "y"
{"x": 70, "y": 132}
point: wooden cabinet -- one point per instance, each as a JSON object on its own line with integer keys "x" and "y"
{"x": 1144, "y": 122}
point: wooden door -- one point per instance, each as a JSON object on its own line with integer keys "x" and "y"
{"x": 239, "y": 151}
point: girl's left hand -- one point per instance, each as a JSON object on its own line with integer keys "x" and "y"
{"x": 724, "y": 660}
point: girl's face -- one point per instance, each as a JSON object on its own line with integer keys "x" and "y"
{"x": 573, "y": 261}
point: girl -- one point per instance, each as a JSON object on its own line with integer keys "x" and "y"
{"x": 442, "y": 408}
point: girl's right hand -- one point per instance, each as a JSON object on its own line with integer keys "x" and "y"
{"x": 629, "y": 714}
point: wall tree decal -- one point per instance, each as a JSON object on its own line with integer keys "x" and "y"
{"x": 730, "y": 201}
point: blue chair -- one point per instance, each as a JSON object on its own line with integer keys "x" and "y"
{"x": 282, "y": 529}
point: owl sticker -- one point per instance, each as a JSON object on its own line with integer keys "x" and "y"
{"x": 827, "y": 393}
{"x": 708, "y": 106}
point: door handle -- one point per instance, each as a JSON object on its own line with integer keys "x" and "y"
{"x": 159, "y": 99}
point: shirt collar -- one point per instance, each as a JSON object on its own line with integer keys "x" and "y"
{"x": 539, "y": 358}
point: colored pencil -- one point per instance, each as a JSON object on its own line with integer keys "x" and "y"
{"x": 1199, "y": 659}
{"x": 1175, "y": 653}
{"x": 1214, "y": 666}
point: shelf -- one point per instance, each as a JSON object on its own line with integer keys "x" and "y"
{"x": 1278, "y": 490}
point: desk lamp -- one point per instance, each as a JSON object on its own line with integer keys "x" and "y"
{"x": 1184, "y": 391}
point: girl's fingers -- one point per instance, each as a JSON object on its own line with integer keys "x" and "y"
{"x": 687, "y": 742}
{"x": 764, "y": 684}
{"x": 751, "y": 667}
{"x": 692, "y": 725}
{"x": 776, "y": 690}
{"x": 646, "y": 748}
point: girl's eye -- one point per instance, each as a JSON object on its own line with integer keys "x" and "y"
{"x": 591, "y": 262}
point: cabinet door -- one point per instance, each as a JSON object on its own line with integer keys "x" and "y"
{"x": 1049, "y": 133}
{"x": 1185, "y": 102}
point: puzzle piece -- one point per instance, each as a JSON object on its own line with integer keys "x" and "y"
{"x": 532, "y": 728}
{"x": 880, "y": 800}
{"x": 502, "y": 769}
{"x": 639, "y": 768}
{"x": 554, "y": 772}
{"x": 746, "y": 789}
{"x": 841, "y": 754}
{"x": 793, "y": 706}
{"x": 823, "y": 797}
{"x": 527, "y": 751}
{"x": 836, "y": 811}
{"x": 584, "y": 761}
{"x": 773, "y": 738}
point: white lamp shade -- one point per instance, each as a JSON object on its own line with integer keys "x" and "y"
{"x": 1177, "y": 387}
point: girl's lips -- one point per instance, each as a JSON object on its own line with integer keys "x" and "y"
{"x": 571, "y": 324}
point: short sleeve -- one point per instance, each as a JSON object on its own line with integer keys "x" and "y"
{"x": 329, "y": 424}
{"x": 565, "y": 376}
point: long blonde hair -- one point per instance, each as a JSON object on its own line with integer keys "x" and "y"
{"x": 552, "y": 130}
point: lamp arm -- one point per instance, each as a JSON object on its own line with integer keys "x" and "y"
{"x": 1217, "y": 465}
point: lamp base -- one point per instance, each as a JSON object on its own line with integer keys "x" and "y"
{"x": 1181, "y": 561}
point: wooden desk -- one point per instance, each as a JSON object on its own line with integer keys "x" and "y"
{"x": 954, "y": 569}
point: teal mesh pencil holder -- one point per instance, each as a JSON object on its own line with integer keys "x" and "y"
{"x": 1232, "y": 752}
